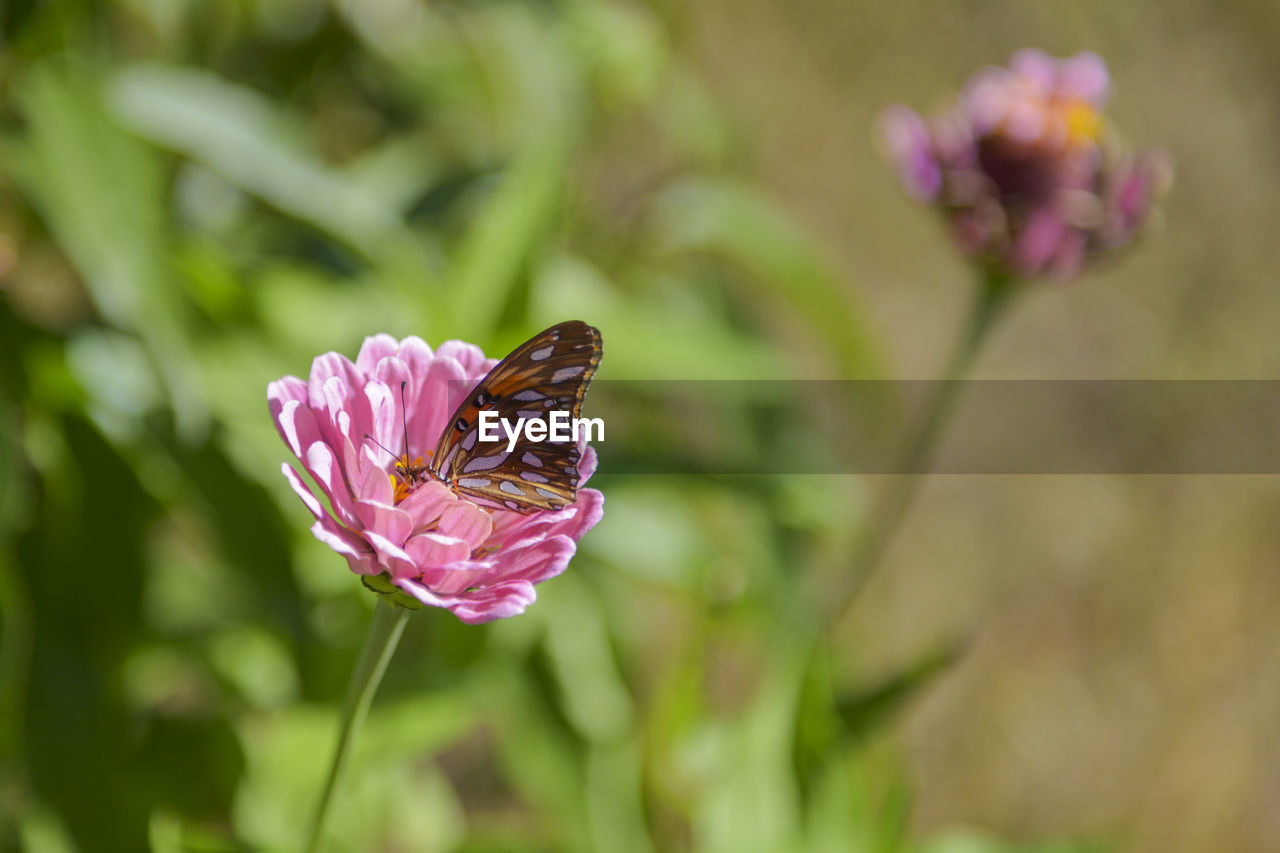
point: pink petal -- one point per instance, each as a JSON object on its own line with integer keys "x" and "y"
{"x": 433, "y": 550}
{"x": 416, "y": 354}
{"x": 911, "y": 149}
{"x": 509, "y": 595}
{"x": 470, "y": 356}
{"x": 349, "y": 447}
{"x": 391, "y": 556}
{"x": 539, "y": 562}
{"x": 515, "y": 530}
{"x": 1069, "y": 258}
{"x": 372, "y": 483}
{"x": 986, "y": 99}
{"x": 468, "y": 522}
{"x": 300, "y": 489}
{"x": 426, "y": 503}
{"x": 416, "y": 357}
{"x": 324, "y": 469}
{"x": 363, "y": 565}
{"x": 286, "y": 388}
{"x": 296, "y": 424}
{"x": 444, "y": 385}
{"x": 1024, "y": 120}
{"x": 384, "y": 406}
{"x": 373, "y": 350}
{"x": 499, "y": 603}
{"x": 1038, "y": 242}
{"x": 585, "y": 514}
{"x": 394, "y": 374}
{"x": 373, "y": 455}
{"x": 387, "y": 520}
{"x": 586, "y": 463}
{"x": 331, "y": 365}
{"x": 343, "y": 412}
{"x": 1085, "y": 76}
{"x": 420, "y": 592}
{"x": 452, "y": 582}
{"x": 1035, "y": 67}
{"x": 341, "y": 540}
{"x": 345, "y": 542}
{"x": 391, "y": 371}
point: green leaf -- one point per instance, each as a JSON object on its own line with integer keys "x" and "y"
{"x": 654, "y": 333}
{"x": 42, "y": 831}
{"x": 615, "y": 797}
{"x": 246, "y": 139}
{"x": 867, "y": 710}
{"x": 749, "y": 799}
{"x": 737, "y": 222}
{"x": 504, "y": 235}
{"x": 390, "y": 791}
{"x": 592, "y": 695}
{"x": 101, "y": 192}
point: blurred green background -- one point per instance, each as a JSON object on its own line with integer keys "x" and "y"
{"x": 197, "y": 198}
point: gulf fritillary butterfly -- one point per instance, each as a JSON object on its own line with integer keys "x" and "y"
{"x": 549, "y": 372}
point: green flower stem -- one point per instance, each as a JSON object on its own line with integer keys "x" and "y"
{"x": 384, "y": 633}
{"x": 993, "y": 295}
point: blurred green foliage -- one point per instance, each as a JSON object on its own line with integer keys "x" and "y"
{"x": 199, "y": 198}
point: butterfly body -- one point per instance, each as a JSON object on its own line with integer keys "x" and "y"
{"x": 408, "y": 476}
{"x": 549, "y": 372}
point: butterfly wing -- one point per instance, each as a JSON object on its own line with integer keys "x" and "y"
{"x": 549, "y": 372}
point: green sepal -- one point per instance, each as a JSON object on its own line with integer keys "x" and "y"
{"x": 382, "y": 585}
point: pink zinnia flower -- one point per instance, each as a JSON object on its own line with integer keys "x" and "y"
{"x": 427, "y": 542}
{"x": 1023, "y": 167}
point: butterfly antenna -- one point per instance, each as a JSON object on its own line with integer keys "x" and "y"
{"x": 404, "y": 418}
{"x": 379, "y": 443}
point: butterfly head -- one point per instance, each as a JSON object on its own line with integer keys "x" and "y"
{"x": 409, "y": 474}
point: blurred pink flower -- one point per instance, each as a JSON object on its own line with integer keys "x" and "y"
{"x": 438, "y": 548}
{"x": 1024, "y": 169}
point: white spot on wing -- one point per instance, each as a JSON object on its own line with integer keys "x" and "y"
{"x": 532, "y": 477}
{"x": 566, "y": 373}
{"x": 528, "y": 395}
{"x": 484, "y": 463}
{"x": 531, "y": 459}
{"x": 474, "y": 482}
{"x": 546, "y": 494}
{"x": 542, "y": 353}
{"x": 511, "y": 488}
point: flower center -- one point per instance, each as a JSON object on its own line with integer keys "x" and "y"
{"x": 1039, "y": 143}
{"x": 1055, "y": 123}
{"x": 1083, "y": 124}
{"x": 408, "y": 475}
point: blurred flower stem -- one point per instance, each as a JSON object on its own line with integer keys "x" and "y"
{"x": 384, "y": 634}
{"x": 993, "y": 294}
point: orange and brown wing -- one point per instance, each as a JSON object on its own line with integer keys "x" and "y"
{"x": 549, "y": 372}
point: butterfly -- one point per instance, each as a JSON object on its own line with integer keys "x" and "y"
{"x": 549, "y": 372}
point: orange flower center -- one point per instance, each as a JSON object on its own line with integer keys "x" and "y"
{"x": 408, "y": 475}
{"x": 1064, "y": 123}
